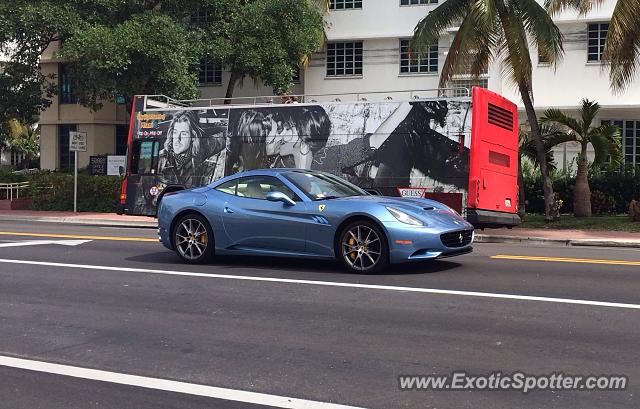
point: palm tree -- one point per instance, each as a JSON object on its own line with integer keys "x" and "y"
{"x": 527, "y": 150}
{"x": 622, "y": 45}
{"x": 24, "y": 139}
{"x": 603, "y": 138}
{"x": 491, "y": 30}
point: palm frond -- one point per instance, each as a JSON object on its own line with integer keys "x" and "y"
{"x": 469, "y": 44}
{"x": 582, "y": 6}
{"x": 517, "y": 60}
{"x": 622, "y": 46}
{"x": 605, "y": 140}
{"x": 429, "y": 29}
{"x": 588, "y": 113}
{"x": 541, "y": 29}
{"x": 551, "y": 136}
{"x": 554, "y": 115}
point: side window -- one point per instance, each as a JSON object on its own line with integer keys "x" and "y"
{"x": 229, "y": 187}
{"x": 145, "y": 157}
{"x": 257, "y": 187}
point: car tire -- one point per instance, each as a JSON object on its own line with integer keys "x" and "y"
{"x": 193, "y": 239}
{"x": 362, "y": 248}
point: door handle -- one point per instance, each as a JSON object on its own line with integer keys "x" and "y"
{"x": 227, "y": 210}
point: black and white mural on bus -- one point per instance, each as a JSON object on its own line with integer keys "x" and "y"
{"x": 374, "y": 145}
{"x": 185, "y": 148}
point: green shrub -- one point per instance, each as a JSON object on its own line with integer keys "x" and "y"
{"x": 54, "y": 191}
{"x": 602, "y": 203}
{"x": 7, "y": 176}
{"x": 618, "y": 186}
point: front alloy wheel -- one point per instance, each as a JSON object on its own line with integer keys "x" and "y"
{"x": 193, "y": 239}
{"x": 363, "y": 248}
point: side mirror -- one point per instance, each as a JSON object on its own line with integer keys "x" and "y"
{"x": 280, "y": 197}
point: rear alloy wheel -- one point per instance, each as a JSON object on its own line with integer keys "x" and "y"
{"x": 363, "y": 248}
{"x": 193, "y": 239}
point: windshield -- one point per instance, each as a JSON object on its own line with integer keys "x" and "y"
{"x": 319, "y": 186}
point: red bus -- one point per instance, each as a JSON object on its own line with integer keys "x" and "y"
{"x": 461, "y": 151}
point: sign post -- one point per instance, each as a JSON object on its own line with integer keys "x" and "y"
{"x": 77, "y": 143}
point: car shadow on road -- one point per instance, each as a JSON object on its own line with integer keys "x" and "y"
{"x": 166, "y": 260}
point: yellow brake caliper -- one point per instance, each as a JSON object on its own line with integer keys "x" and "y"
{"x": 352, "y": 254}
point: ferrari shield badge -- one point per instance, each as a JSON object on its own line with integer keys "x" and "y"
{"x": 321, "y": 207}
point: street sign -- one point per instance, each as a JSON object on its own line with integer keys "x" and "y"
{"x": 116, "y": 165}
{"x": 98, "y": 165}
{"x": 77, "y": 141}
{"x": 412, "y": 191}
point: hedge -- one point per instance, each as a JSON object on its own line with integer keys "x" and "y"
{"x": 54, "y": 190}
{"x": 611, "y": 191}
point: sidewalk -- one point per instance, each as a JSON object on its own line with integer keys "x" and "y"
{"x": 91, "y": 219}
{"x": 516, "y": 235}
{"x": 559, "y": 237}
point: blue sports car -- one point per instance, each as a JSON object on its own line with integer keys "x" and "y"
{"x": 303, "y": 213}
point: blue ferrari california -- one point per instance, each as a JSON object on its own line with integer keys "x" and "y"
{"x": 302, "y": 213}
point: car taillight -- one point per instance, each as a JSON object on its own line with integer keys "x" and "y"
{"x": 123, "y": 197}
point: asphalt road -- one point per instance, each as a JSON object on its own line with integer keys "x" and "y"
{"x": 299, "y": 332}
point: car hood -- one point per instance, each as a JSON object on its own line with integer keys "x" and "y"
{"x": 427, "y": 210}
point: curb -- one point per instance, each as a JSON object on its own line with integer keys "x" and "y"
{"x": 84, "y": 222}
{"x": 487, "y": 238}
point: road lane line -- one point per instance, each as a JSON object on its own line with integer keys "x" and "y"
{"x": 168, "y": 385}
{"x": 329, "y": 284}
{"x": 567, "y": 260}
{"x": 76, "y": 236}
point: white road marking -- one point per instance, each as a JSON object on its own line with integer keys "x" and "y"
{"x": 168, "y": 385}
{"x": 40, "y": 242}
{"x": 330, "y": 284}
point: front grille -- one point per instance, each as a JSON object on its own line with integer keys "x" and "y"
{"x": 458, "y": 238}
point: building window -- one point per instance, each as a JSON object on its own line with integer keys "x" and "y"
{"x": 543, "y": 59}
{"x": 66, "y": 157}
{"x": 597, "y": 33}
{"x": 66, "y": 92}
{"x": 630, "y": 143}
{"x": 459, "y": 87}
{"x": 417, "y": 2}
{"x": 344, "y": 59}
{"x": 210, "y": 73}
{"x": 410, "y": 63}
{"x": 201, "y": 17}
{"x": 122, "y": 139}
{"x": 345, "y": 4}
{"x": 16, "y": 158}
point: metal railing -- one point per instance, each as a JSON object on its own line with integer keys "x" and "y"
{"x": 12, "y": 190}
{"x": 162, "y": 102}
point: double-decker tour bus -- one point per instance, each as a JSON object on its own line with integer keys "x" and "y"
{"x": 459, "y": 150}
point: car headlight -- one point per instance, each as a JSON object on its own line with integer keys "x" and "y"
{"x": 404, "y": 218}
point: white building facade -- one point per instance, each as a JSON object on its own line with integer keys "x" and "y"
{"x": 367, "y": 52}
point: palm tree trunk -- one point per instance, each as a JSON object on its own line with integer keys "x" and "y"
{"x": 231, "y": 87}
{"x": 521, "y": 198}
{"x": 581, "y": 190}
{"x": 550, "y": 210}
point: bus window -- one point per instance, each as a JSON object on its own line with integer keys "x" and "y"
{"x": 145, "y": 157}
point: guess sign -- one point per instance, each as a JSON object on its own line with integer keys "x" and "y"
{"x": 412, "y": 191}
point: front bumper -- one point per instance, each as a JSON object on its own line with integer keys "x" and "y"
{"x": 409, "y": 243}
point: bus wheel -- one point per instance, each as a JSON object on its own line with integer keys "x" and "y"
{"x": 193, "y": 239}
